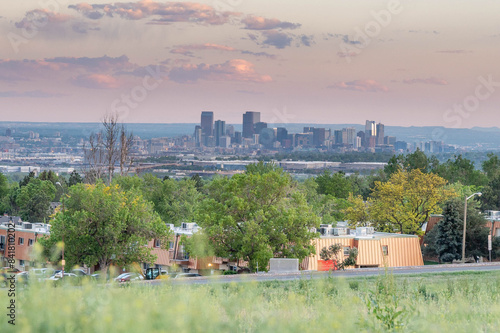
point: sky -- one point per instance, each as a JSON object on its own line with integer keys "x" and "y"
{"x": 402, "y": 63}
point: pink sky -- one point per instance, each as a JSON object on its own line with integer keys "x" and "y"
{"x": 398, "y": 62}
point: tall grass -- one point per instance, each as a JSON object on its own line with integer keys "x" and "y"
{"x": 442, "y": 303}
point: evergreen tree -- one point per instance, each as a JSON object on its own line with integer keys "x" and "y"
{"x": 450, "y": 232}
{"x": 74, "y": 178}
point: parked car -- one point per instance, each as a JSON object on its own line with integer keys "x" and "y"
{"x": 41, "y": 273}
{"x": 97, "y": 276}
{"x": 69, "y": 278}
{"x": 130, "y": 277}
{"x": 186, "y": 275}
{"x": 79, "y": 272}
{"x": 23, "y": 278}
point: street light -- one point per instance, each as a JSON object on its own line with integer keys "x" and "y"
{"x": 465, "y": 223}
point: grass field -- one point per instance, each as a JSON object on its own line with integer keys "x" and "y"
{"x": 464, "y": 302}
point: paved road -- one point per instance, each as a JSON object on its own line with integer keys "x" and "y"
{"x": 362, "y": 272}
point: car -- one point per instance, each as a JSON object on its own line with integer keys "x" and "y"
{"x": 97, "y": 276}
{"x": 23, "y": 278}
{"x": 69, "y": 278}
{"x": 186, "y": 275}
{"x": 79, "y": 272}
{"x": 130, "y": 277}
{"x": 120, "y": 276}
{"x": 41, "y": 273}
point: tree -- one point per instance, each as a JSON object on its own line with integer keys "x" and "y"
{"x": 74, "y": 178}
{"x": 337, "y": 184}
{"x": 490, "y": 200}
{"x": 126, "y": 140}
{"x": 4, "y": 193}
{"x": 34, "y": 200}
{"x": 103, "y": 224}
{"x": 327, "y": 207}
{"x": 404, "y": 203}
{"x": 429, "y": 245}
{"x": 357, "y": 213}
{"x": 461, "y": 170}
{"x": 417, "y": 160}
{"x": 256, "y": 216}
{"x": 198, "y": 182}
{"x": 333, "y": 252}
{"x": 449, "y": 234}
{"x": 27, "y": 179}
{"x": 175, "y": 201}
{"x": 491, "y": 167}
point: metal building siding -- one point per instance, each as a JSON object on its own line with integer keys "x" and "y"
{"x": 320, "y": 243}
{"x": 369, "y": 253}
{"x": 403, "y": 251}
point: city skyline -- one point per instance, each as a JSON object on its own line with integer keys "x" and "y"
{"x": 164, "y": 62}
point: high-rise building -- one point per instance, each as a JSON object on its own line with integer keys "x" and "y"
{"x": 250, "y": 118}
{"x": 380, "y": 134}
{"x": 337, "y": 134}
{"x": 258, "y": 127}
{"x": 281, "y": 134}
{"x": 351, "y": 136}
{"x": 207, "y": 123}
{"x": 198, "y": 136}
{"x": 370, "y": 128}
{"x": 219, "y": 130}
{"x": 319, "y": 136}
{"x": 237, "y": 137}
{"x": 230, "y": 130}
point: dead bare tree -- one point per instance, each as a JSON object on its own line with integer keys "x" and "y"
{"x": 111, "y": 134}
{"x": 107, "y": 148}
{"x": 93, "y": 158}
{"x": 125, "y": 145}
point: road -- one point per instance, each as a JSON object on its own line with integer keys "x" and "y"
{"x": 351, "y": 273}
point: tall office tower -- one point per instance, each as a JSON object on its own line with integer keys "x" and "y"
{"x": 370, "y": 128}
{"x": 390, "y": 140}
{"x": 198, "y": 136}
{"x": 219, "y": 130}
{"x": 237, "y": 137}
{"x": 281, "y": 134}
{"x": 319, "y": 136}
{"x": 250, "y": 118}
{"x": 351, "y": 136}
{"x": 362, "y": 135}
{"x": 207, "y": 123}
{"x": 258, "y": 127}
{"x": 380, "y": 134}
{"x": 338, "y": 137}
{"x": 230, "y": 130}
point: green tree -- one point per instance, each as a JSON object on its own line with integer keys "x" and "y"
{"x": 327, "y": 207}
{"x": 257, "y": 216}
{"x": 491, "y": 167}
{"x": 449, "y": 233}
{"x": 74, "y": 178}
{"x": 357, "y": 212}
{"x": 490, "y": 200}
{"x": 27, "y": 179}
{"x": 4, "y": 194}
{"x": 429, "y": 245}
{"x": 461, "y": 170}
{"x": 336, "y": 184}
{"x": 34, "y": 200}
{"x": 198, "y": 182}
{"x": 103, "y": 224}
{"x": 404, "y": 203}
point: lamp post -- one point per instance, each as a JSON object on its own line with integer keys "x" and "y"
{"x": 465, "y": 223}
{"x": 63, "y": 262}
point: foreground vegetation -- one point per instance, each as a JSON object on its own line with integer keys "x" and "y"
{"x": 465, "y": 302}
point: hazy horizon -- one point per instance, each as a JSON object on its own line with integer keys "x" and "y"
{"x": 401, "y": 63}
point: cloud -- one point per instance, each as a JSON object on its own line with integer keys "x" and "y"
{"x": 36, "y": 19}
{"x": 430, "y": 80}
{"x": 186, "y": 50}
{"x": 29, "y": 94}
{"x": 96, "y": 81}
{"x": 158, "y": 12}
{"x": 361, "y": 86}
{"x": 100, "y": 64}
{"x": 307, "y": 40}
{"x": 277, "y": 39}
{"x": 454, "y": 51}
{"x": 260, "y": 23}
{"x": 232, "y": 70}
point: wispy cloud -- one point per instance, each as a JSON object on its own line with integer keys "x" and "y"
{"x": 187, "y": 50}
{"x": 232, "y": 70}
{"x": 96, "y": 81}
{"x": 252, "y": 22}
{"x": 430, "y": 80}
{"x": 29, "y": 94}
{"x": 157, "y": 12}
{"x": 360, "y": 85}
{"x": 454, "y": 51}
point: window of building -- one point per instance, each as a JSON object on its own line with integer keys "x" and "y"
{"x": 171, "y": 245}
{"x": 2, "y": 242}
{"x": 21, "y": 262}
{"x": 347, "y": 249}
{"x": 30, "y": 242}
{"x": 21, "y": 241}
{"x": 385, "y": 250}
{"x": 157, "y": 243}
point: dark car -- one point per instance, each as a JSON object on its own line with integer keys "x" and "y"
{"x": 186, "y": 275}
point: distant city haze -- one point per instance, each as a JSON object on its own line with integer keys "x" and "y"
{"x": 400, "y": 63}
